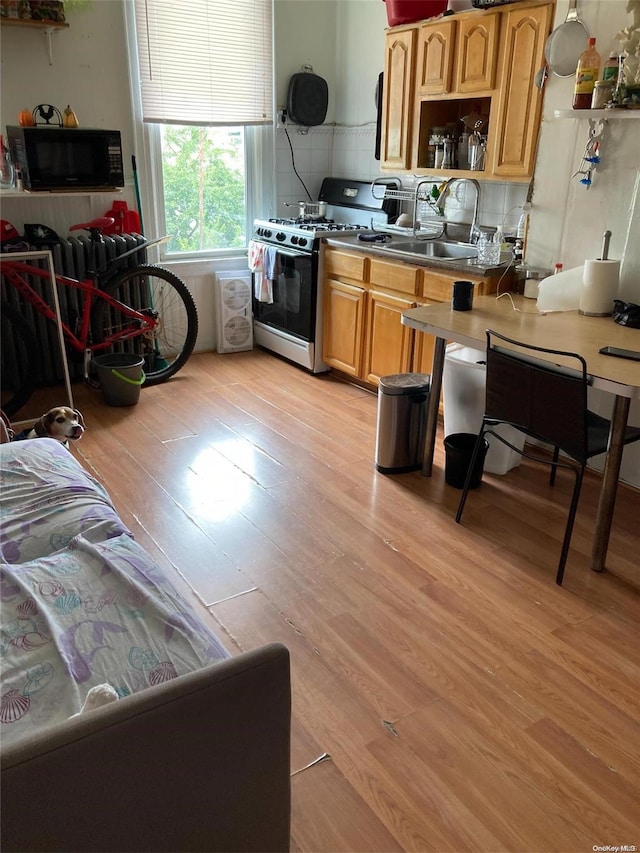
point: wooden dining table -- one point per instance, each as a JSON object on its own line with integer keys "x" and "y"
{"x": 518, "y": 318}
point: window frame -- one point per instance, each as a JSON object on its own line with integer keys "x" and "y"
{"x": 260, "y": 167}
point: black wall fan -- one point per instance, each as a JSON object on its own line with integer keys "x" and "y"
{"x": 307, "y": 98}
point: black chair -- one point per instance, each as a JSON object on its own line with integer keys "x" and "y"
{"x": 546, "y": 402}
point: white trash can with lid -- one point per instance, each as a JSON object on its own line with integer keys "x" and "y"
{"x": 463, "y": 388}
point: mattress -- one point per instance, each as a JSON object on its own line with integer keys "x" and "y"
{"x": 81, "y": 603}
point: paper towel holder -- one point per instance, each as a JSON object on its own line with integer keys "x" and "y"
{"x": 606, "y": 237}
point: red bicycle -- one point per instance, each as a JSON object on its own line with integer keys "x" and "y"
{"x": 145, "y": 310}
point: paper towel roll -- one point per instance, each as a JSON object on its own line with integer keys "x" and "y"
{"x": 600, "y": 283}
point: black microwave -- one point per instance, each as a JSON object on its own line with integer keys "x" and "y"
{"x": 59, "y": 158}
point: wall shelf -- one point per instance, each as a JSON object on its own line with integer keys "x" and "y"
{"x": 62, "y": 193}
{"x": 46, "y": 27}
{"x": 595, "y": 114}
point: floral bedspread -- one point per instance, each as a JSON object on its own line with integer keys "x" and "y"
{"x": 81, "y": 602}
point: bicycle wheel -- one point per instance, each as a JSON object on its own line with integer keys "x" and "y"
{"x": 167, "y": 349}
{"x": 18, "y": 364}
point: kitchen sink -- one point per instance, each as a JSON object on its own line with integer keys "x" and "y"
{"x": 434, "y": 249}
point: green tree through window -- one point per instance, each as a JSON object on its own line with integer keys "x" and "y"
{"x": 204, "y": 187}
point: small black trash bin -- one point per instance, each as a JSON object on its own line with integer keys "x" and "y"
{"x": 458, "y": 449}
{"x": 402, "y": 418}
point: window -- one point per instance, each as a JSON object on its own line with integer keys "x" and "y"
{"x": 203, "y": 91}
{"x": 203, "y": 178}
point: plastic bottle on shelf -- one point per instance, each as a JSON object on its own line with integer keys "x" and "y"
{"x": 7, "y": 172}
{"x": 587, "y": 72}
{"x": 610, "y": 68}
{"x": 463, "y": 151}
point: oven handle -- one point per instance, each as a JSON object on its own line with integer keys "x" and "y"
{"x": 289, "y": 253}
{"x": 292, "y": 253}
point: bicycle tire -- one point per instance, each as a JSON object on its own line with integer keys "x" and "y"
{"x": 18, "y": 365}
{"x": 153, "y": 287}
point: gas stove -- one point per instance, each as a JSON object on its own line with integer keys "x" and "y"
{"x": 347, "y": 205}
{"x": 287, "y": 302}
{"x": 300, "y": 233}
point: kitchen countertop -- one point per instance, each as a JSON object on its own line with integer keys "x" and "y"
{"x": 457, "y": 265}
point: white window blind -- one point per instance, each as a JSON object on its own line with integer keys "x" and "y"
{"x": 205, "y": 62}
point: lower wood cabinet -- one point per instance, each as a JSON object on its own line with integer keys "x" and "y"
{"x": 388, "y": 344}
{"x": 343, "y": 326}
{"x": 364, "y": 299}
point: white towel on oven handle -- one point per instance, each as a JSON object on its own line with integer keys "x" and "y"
{"x": 255, "y": 256}
{"x": 263, "y": 280}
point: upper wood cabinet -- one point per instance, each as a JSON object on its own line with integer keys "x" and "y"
{"x": 482, "y": 61}
{"x": 457, "y": 56}
{"x": 477, "y": 52}
{"x": 397, "y": 98}
{"x": 436, "y": 49}
{"x": 517, "y": 117}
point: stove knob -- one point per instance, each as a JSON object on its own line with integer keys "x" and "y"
{"x": 280, "y": 236}
{"x": 267, "y": 232}
{"x": 302, "y": 241}
{"x": 294, "y": 241}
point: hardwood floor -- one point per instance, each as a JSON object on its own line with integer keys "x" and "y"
{"x": 466, "y": 702}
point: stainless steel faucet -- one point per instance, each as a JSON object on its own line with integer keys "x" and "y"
{"x": 447, "y": 188}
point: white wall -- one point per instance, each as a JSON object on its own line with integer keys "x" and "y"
{"x": 305, "y": 34}
{"x": 567, "y": 220}
{"x": 89, "y": 72}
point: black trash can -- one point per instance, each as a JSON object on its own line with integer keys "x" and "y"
{"x": 458, "y": 449}
{"x": 402, "y": 419}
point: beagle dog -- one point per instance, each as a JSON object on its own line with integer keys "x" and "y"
{"x": 62, "y": 423}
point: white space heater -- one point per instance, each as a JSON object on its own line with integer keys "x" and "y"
{"x": 234, "y": 316}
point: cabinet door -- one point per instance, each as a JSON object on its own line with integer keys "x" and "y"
{"x": 397, "y": 99}
{"x": 520, "y": 101}
{"x": 435, "y": 57}
{"x": 477, "y": 51}
{"x": 389, "y": 344}
{"x": 343, "y": 326}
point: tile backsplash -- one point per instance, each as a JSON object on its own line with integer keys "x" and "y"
{"x": 349, "y": 152}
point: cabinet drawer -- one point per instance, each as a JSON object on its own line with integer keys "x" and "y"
{"x": 344, "y": 264}
{"x": 438, "y": 287}
{"x": 394, "y": 276}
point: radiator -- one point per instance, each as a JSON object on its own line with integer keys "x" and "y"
{"x": 71, "y": 257}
